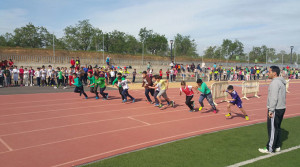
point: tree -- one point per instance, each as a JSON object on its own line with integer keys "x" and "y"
{"x": 7, "y": 40}
{"x": 184, "y": 46}
{"x": 80, "y": 36}
{"x": 32, "y": 36}
{"x": 210, "y": 52}
{"x": 232, "y": 49}
{"x": 154, "y": 42}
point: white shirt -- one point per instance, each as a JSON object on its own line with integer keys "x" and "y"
{"x": 15, "y": 71}
{"x": 172, "y": 72}
{"x": 123, "y": 84}
{"x": 171, "y": 64}
{"x": 37, "y": 74}
{"x": 26, "y": 74}
{"x": 44, "y": 73}
{"x": 49, "y": 72}
{"x": 112, "y": 74}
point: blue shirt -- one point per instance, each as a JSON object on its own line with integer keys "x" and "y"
{"x": 235, "y": 96}
{"x": 85, "y": 70}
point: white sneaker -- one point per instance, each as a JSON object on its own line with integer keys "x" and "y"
{"x": 55, "y": 87}
{"x": 65, "y": 87}
{"x": 264, "y": 150}
{"x": 277, "y": 149}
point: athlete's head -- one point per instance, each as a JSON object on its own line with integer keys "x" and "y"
{"x": 230, "y": 89}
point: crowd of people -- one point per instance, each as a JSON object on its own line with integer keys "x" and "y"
{"x": 11, "y": 75}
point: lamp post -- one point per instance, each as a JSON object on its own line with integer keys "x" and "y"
{"x": 171, "y": 41}
{"x": 53, "y": 48}
{"x": 292, "y": 47}
{"x": 143, "y": 54}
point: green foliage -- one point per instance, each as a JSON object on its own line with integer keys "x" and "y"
{"x": 228, "y": 50}
{"x": 154, "y": 42}
{"x": 185, "y": 46}
{"x": 30, "y": 36}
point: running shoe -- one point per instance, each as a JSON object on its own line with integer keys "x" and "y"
{"x": 200, "y": 108}
{"x": 247, "y": 118}
{"x": 97, "y": 97}
{"x": 156, "y": 105}
{"x": 86, "y": 97}
{"x": 192, "y": 111}
{"x": 277, "y": 149}
{"x": 228, "y": 115}
{"x": 160, "y": 106}
{"x": 215, "y": 111}
{"x": 133, "y": 100}
{"x": 172, "y": 103}
{"x": 55, "y": 87}
{"x": 107, "y": 96}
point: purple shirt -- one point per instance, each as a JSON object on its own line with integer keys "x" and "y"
{"x": 235, "y": 96}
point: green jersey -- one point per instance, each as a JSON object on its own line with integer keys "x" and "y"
{"x": 100, "y": 82}
{"x": 204, "y": 89}
{"x": 60, "y": 75}
{"x": 77, "y": 82}
{"x": 92, "y": 80}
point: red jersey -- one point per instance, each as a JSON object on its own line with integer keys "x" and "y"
{"x": 168, "y": 73}
{"x": 160, "y": 73}
{"x": 187, "y": 90}
{"x": 72, "y": 62}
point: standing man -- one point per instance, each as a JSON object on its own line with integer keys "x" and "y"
{"x": 276, "y": 109}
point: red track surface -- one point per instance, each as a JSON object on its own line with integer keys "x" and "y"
{"x": 63, "y": 129}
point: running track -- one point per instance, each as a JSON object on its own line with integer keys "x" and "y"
{"x": 62, "y": 129}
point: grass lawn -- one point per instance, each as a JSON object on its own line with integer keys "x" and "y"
{"x": 289, "y": 159}
{"x": 215, "y": 149}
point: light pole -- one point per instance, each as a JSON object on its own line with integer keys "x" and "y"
{"x": 143, "y": 54}
{"x": 53, "y": 48}
{"x": 292, "y": 47}
{"x": 266, "y": 57}
{"x": 281, "y": 58}
{"x": 171, "y": 41}
{"x": 103, "y": 47}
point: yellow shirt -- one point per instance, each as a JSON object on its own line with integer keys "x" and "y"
{"x": 161, "y": 84}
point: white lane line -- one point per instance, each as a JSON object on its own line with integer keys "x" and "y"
{"x": 5, "y": 144}
{"x": 139, "y": 121}
{"x": 264, "y": 157}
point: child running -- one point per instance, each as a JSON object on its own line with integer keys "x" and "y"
{"x": 79, "y": 88}
{"x": 236, "y": 100}
{"x": 205, "y": 93}
{"x": 163, "y": 86}
{"x": 91, "y": 84}
{"x": 188, "y": 90}
{"x": 119, "y": 86}
{"x": 101, "y": 82}
{"x": 124, "y": 84}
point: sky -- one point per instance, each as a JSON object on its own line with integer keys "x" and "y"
{"x": 274, "y": 23}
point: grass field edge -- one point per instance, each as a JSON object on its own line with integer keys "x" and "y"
{"x": 164, "y": 143}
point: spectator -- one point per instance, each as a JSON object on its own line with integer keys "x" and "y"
{"x": 21, "y": 75}
{"x": 10, "y": 63}
{"x": 107, "y": 60}
{"x": 72, "y": 62}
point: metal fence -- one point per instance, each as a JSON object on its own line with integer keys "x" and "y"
{"x": 37, "y": 59}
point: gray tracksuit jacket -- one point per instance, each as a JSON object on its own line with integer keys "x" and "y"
{"x": 276, "y": 94}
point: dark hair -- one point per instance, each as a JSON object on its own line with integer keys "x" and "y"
{"x": 90, "y": 72}
{"x": 275, "y": 69}
{"x": 230, "y": 87}
{"x": 119, "y": 78}
{"x": 183, "y": 83}
{"x": 74, "y": 74}
{"x": 199, "y": 80}
{"x": 119, "y": 73}
{"x": 157, "y": 77}
{"x": 144, "y": 72}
